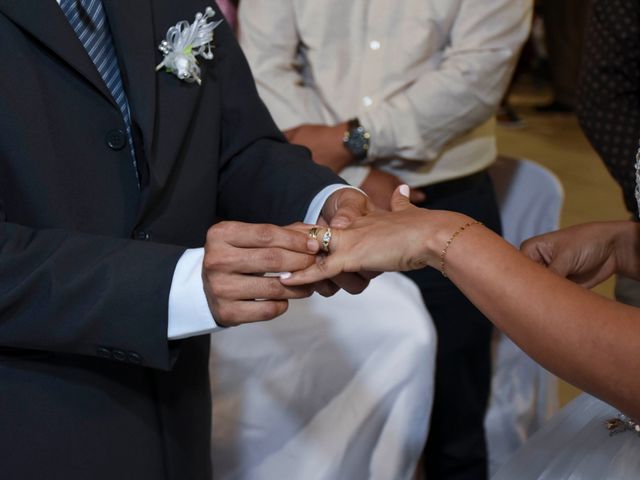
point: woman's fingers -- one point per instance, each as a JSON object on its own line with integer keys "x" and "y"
{"x": 400, "y": 198}
{"x": 326, "y": 267}
{"x": 354, "y": 283}
{"x": 417, "y": 196}
{"x": 326, "y": 288}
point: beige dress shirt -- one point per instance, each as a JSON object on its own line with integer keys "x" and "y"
{"x": 424, "y": 76}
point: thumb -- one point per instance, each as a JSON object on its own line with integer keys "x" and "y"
{"x": 543, "y": 252}
{"x": 400, "y": 198}
{"x": 539, "y": 250}
{"x": 349, "y": 205}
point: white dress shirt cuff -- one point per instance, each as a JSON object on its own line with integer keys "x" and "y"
{"x": 189, "y": 313}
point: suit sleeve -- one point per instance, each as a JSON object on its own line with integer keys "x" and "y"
{"x": 263, "y": 178}
{"x": 72, "y": 293}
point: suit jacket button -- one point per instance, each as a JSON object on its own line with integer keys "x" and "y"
{"x": 104, "y": 352}
{"x": 141, "y": 235}
{"x": 133, "y": 357}
{"x": 119, "y": 355}
{"x": 116, "y": 139}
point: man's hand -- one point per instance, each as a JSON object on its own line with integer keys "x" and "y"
{"x": 379, "y": 186}
{"x": 341, "y": 210}
{"x": 327, "y": 149}
{"x": 325, "y": 144}
{"x": 587, "y": 254}
{"x": 344, "y": 206}
{"x": 237, "y": 255}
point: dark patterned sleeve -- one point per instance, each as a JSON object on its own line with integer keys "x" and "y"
{"x": 609, "y": 90}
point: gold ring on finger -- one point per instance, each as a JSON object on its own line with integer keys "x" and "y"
{"x": 314, "y": 232}
{"x": 326, "y": 240}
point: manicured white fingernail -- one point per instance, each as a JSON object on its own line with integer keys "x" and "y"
{"x": 285, "y": 275}
{"x": 404, "y": 190}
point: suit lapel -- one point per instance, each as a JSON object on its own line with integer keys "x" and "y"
{"x": 46, "y": 22}
{"x": 132, "y": 26}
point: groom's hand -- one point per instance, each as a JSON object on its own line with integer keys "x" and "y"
{"x": 237, "y": 255}
{"x": 344, "y": 206}
{"x": 340, "y": 210}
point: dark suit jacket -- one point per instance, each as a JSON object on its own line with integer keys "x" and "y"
{"x": 90, "y": 388}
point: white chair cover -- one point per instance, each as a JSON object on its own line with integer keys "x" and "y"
{"x": 337, "y": 388}
{"x": 523, "y": 394}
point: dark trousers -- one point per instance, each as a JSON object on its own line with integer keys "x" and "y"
{"x": 456, "y": 447}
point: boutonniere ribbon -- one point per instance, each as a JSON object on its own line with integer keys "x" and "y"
{"x": 185, "y": 42}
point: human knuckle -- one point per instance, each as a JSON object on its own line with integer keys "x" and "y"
{"x": 213, "y": 262}
{"x": 275, "y": 289}
{"x": 266, "y": 311}
{"x": 218, "y": 230}
{"x": 306, "y": 291}
{"x": 322, "y": 264}
{"x": 233, "y": 322}
{"x": 359, "y": 289}
{"x": 326, "y": 292}
{"x": 222, "y": 290}
{"x": 275, "y": 309}
{"x": 212, "y": 233}
{"x": 210, "y": 262}
{"x": 265, "y": 234}
{"x": 526, "y": 244}
{"x": 272, "y": 259}
{"x": 225, "y": 312}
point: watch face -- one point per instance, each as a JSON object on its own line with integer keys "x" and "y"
{"x": 358, "y": 142}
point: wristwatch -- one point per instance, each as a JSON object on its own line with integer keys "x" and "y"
{"x": 357, "y": 140}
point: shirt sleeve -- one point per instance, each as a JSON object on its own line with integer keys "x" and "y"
{"x": 270, "y": 41}
{"x": 417, "y": 122}
{"x": 189, "y": 313}
{"x": 279, "y": 76}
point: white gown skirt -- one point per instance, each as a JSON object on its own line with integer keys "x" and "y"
{"x": 337, "y": 388}
{"x": 575, "y": 445}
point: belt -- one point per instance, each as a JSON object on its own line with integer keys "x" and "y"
{"x": 452, "y": 187}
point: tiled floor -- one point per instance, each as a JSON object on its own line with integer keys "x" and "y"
{"x": 556, "y": 142}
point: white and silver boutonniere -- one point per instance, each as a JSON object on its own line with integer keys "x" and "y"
{"x": 186, "y": 41}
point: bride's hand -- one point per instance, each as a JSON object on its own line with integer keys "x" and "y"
{"x": 407, "y": 238}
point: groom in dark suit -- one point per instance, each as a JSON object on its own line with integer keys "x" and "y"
{"x": 111, "y": 176}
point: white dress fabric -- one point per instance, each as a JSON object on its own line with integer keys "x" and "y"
{"x": 575, "y": 445}
{"x": 337, "y": 388}
{"x": 523, "y": 394}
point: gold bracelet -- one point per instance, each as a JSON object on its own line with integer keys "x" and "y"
{"x": 443, "y": 254}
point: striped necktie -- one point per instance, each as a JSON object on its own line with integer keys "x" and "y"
{"x": 90, "y": 23}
